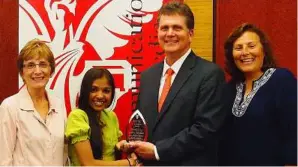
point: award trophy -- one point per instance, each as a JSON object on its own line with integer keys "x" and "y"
{"x": 137, "y": 128}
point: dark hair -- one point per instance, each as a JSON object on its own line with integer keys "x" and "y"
{"x": 94, "y": 117}
{"x": 35, "y": 48}
{"x": 180, "y": 8}
{"x": 230, "y": 65}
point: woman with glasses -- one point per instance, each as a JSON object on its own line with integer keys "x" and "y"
{"x": 32, "y": 121}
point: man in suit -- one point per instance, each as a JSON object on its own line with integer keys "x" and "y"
{"x": 182, "y": 127}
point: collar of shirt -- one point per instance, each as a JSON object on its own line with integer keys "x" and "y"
{"x": 177, "y": 65}
{"x": 26, "y": 103}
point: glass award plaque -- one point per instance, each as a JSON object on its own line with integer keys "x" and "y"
{"x": 137, "y": 128}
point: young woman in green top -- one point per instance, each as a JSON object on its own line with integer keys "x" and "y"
{"x": 92, "y": 129}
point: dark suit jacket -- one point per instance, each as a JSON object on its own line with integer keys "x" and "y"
{"x": 185, "y": 131}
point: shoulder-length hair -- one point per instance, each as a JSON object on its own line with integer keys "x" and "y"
{"x": 94, "y": 117}
{"x": 230, "y": 65}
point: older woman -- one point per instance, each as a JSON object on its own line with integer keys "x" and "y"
{"x": 262, "y": 101}
{"x": 32, "y": 121}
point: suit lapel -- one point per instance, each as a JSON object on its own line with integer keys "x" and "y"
{"x": 184, "y": 73}
{"x": 155, "y": 83}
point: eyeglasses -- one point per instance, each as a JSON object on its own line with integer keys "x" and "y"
{"x": 42, "y": 65}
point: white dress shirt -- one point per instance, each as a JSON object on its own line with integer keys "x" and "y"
{"x": 27, "y": 139}
{"x": 175, "y": 67}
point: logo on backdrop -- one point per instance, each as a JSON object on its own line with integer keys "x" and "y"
{"x": 119, "y": 35}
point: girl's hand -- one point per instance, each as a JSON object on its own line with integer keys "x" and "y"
{"x": 120, "y": 144}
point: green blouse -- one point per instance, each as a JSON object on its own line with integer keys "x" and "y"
{"x": 78, "y": 129}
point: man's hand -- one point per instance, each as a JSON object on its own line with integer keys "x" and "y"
{"x": 144, "y": 150}
{"x": 123, "y": 146}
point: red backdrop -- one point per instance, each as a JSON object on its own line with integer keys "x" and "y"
{"x": 8, "y": 48}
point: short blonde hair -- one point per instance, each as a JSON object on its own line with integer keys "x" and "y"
{"x": 35, "y": 48}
